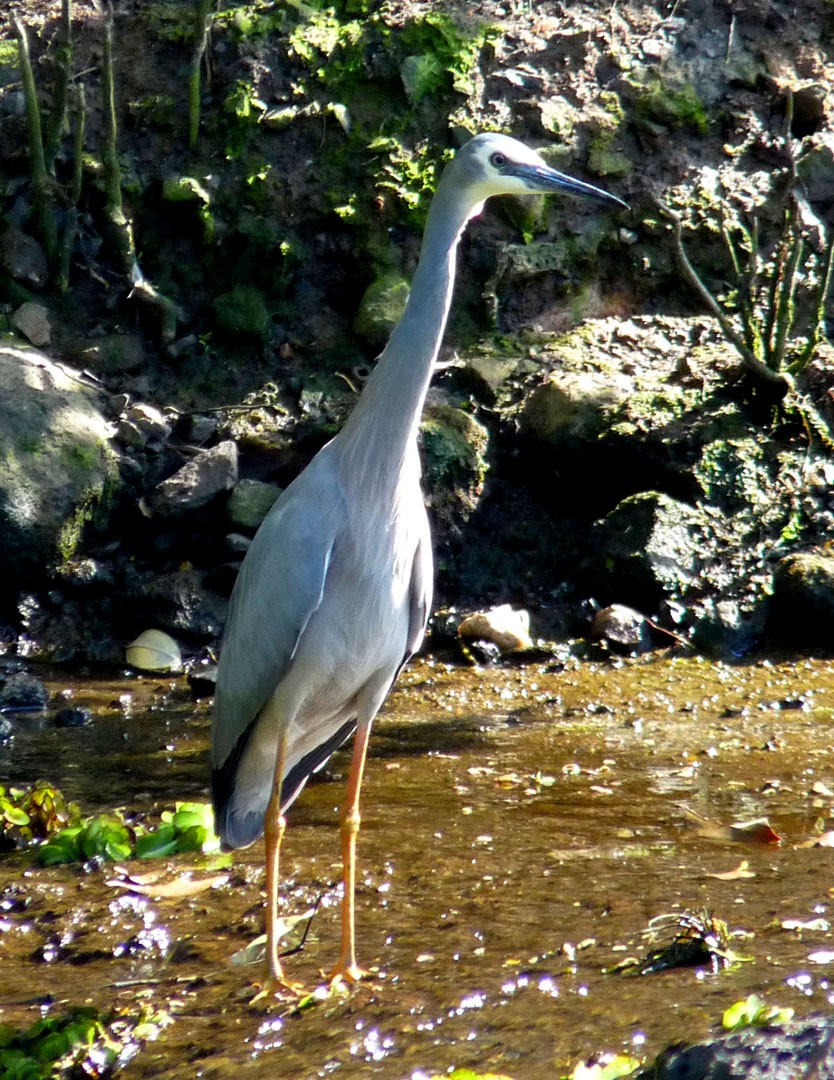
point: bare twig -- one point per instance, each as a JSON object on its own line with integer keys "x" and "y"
{"x": 79, "y": 123}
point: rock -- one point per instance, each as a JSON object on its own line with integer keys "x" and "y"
{"x": 211, "y": 473}
{"x": 180, "y": 602}
{"x": 250, "y": 502}
{"x": 802, "y": 607}
{"x": 729, "y": 627}
{"x": 23, "y": 692}
{"x": 32, "y": 320}
{"x": 507, "y": 628}
{"x": 72, "y": 716}
{"x": 150, "y": 422}
{"x": 60, "y": 470}
{"x": 23, "y": 258}
{"x": 109, "y": 354}
{"x": 651, "y": 546}
{"x": 454, "y": 447}
{"x": 380, "y": 309}
{"x": 154, "y": 650}
{"x": 623, "y": 629}
{"x": 801, "y": 1050}
{"x": 201, "y": 428}
{"x": 242, "y": 312}
{"x": 572, "y": 405}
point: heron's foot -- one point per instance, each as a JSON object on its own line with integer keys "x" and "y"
{"x": 347, "y": 974}
{"x": 277, "y": 988}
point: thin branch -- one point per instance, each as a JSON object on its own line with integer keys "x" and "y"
{"x": 43, "y": 196}
{"x": 63, "y": 68}
{"x": 750, "y": 359}
{"x": 203, "y": 22}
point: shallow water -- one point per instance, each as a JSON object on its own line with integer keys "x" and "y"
{"x": 520, "y": 828}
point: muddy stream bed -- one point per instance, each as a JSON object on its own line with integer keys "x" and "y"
{"x": 520, "y": 828}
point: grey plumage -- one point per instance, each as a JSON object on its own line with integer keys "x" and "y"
{"x": 335, "y": 591}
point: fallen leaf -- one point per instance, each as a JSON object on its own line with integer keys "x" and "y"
{"x": 177, "y": 889}
{"x": 255, "y": 951}
{"x": 740, "y": 872}
{"x": 758, "y": 831}
{"x": 820, "y": 925}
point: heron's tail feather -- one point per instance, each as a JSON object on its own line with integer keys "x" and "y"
{"x": 240, "y": 793}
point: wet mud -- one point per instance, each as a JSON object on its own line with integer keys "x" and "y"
{"x": 521, "y": 827}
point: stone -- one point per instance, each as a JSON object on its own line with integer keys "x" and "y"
{"x": 381, "y": 308}
{"x": 802, "y": 606}
{"x": 23, "y": 258}
{"x": 650, "y": 545}
{"x": 210, "y": 474}
{"x": 572, "y": 405}
{"x": 60, "y": 469}
{"x": 250, "y": 502}
{"x": 623, "y": 629}
{"x": 110, "y": 353}
{"x": 33, "y": 321}
{"x": 799, "y": 1050}
{"x": 509, "y": 629}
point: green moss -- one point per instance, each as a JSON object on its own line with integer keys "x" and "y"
{"x": 409, "y": 174}
{"x": 243, "y": 312}
{"x": 673, "y": 106}
{"x": 456, "y": 52}
{"x": 8, "y": 54}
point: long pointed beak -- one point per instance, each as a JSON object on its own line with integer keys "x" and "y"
{"x": 543, "y": 179}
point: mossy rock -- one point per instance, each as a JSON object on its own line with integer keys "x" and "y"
{"x": 650, "y": 546}
{"x": 243, "y": 312}
{"x": 381, "y": 308}
{"x": 803, "y": 598}
{"x": 59, "y": 470}
{"x": 454, "y": 448}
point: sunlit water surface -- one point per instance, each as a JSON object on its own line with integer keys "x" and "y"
{"x": 520, "y": 828}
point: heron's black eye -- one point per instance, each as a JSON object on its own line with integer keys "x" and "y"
{"x": 498, "y": 161}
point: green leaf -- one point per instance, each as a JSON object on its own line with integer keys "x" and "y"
{"x": 157, "y": 844}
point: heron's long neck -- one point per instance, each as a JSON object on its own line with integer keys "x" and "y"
{"x": 382, "y": 430}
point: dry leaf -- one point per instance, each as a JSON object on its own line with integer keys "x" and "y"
{"x": 177, "y": 889}
{"x": 740, "y": 872}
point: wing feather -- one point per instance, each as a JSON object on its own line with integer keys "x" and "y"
{"x": 280, "y": 586}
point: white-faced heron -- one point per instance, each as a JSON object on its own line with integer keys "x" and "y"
{"x": 334, "y": 593}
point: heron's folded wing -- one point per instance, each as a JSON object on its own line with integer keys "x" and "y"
{"x": 280, "y": 585}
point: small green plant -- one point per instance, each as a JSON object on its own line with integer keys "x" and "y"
{"x": 32, "y": 814}
{"x": 754, "y": 1012}
{"x": 189, "y": 827}
{"x": 774, "y": 308}
{"x": 77, "y": 1042}
{"x": 410, "y": 175}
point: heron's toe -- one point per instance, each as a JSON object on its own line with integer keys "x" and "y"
{"x": 347, "y": 974}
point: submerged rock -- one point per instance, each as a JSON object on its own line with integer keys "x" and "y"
{"x": 799, "y": 1050}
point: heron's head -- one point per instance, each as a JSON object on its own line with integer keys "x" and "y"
{"x": 493, "y": 164}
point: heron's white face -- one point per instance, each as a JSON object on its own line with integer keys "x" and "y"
{"x": 496, "y": 164}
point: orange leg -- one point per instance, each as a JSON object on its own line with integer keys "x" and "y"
{"x": 275, "y": 825}
{"x": 347, "y": 970}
